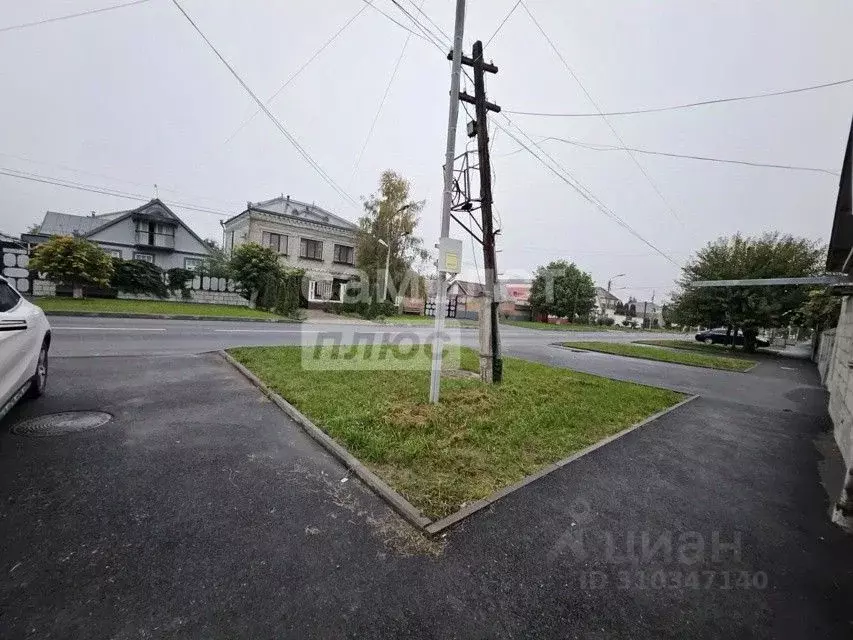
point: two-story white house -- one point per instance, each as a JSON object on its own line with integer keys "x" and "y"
{"x": 306, "y": 237}
{"x": 152, "y": 233}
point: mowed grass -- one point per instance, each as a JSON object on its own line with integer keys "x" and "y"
{"x": 684, "y": 345}
{"x": 164, "y": 307}
{"x": 547, "y": 326}
{"x": 688, "y": 357}
{"x": 478, "y": 439}
{"x": 412, "y": 319}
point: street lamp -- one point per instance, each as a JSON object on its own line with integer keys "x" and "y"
{"x": 612, "y": 278}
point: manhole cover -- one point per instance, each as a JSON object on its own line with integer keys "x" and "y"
{"x": 57, "y": 424}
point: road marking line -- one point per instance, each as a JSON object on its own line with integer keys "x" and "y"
{"x": 266, "y": 331}
{"x": 105, "y": 328}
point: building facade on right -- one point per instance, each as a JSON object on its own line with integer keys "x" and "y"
{"x": 835, "y": 355}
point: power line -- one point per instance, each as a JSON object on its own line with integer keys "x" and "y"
{"x": 426, "y": 30}
{"x": 305, "y": 155}
{"x": 65, "y": 167}
{"x": 107, "y": 191}
{"x": 566, "y": 177}
{"x": 430, "y": 20}
{"x": 381, "y": 103}
{"x": 689, "y": 105}
{"x": 562, "y": 173}
{"x": 604, "y": 147}
{"x": 399, "y": 24}
{"x": 503, "y": 22}
{"x": 607, "y": 122}
{"x": 27, "y": 25}
{"x": 302, "y": 68}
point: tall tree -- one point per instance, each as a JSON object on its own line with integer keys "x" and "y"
{"x": 72, "y": 260}
{"x": 771, "y": 255}
{"x": 390, "y": 215}
{"x": 561, "y": 289}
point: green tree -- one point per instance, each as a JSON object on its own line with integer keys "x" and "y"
{"x": 820, "y": 310}
{"x": 390, "y": 216}
{"x": 72, "y": 261}
{"x": 561, "y": 289}
{"x": 254, "y": 267}
{"x": 771, "y": 255}
{"x": 217, "y": 264}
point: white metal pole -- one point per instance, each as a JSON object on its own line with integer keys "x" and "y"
{"x": 450, "y": 153}
{"x": 387, "y": 263}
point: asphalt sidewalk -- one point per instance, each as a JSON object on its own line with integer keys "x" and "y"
{"x": 201, "y": 511}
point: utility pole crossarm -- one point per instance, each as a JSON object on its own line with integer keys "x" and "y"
{"x": 464, "y": 97}
{"x": 469, "y": 62}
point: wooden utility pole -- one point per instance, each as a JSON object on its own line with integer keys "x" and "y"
{"x": 491, "y": 366}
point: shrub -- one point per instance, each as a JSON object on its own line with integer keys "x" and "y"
{"x": 178, "y": 280}
{"x": 281, "y": 292}
{"x": 138, "y": 276}
{"x": 255, "y": 267}
{"x": 74, "y": 261}
{"x": 606, "y": 321}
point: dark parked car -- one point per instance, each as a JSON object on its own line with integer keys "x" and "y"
{"x": 718, "y": 336}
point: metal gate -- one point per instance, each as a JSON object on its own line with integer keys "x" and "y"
{"x": 452, "y": 304}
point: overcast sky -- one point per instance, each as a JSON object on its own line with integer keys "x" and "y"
{"x": 133, "y": 97}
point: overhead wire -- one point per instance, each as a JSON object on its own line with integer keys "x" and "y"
{"x": 65, "y": 167}
{"x": 688, "y": 105}
{"x": 108, "y": 191}
{"x": 290, "y": 138}
{"x": 399, "y": 24}
{"x": 564, "y": 175}
{"x": 27, "y": 25}
{"x": 604, "y": 147}
{"x": 592, "y": 101}
{"x": 302, "y": 68}
{"x": 382, "y": 102}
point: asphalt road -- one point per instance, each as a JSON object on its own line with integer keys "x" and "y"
{"x": 74, "y": 336}
{"x": 201, "y": 511}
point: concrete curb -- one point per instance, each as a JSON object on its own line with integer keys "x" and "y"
{"x": 678, "y": 364}
{"x": 397, "y": 502}
{"x": 394, "y": 499}
{"x": 163, "y": 316}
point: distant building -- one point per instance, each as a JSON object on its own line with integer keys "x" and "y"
{"x": 306, "y": 237}
{"x": 606, "y": 302}
{"x": 152, "y": 233}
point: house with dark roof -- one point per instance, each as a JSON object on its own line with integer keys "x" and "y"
{"x": 305, "y": 237}
{"x": 152, "y": 233}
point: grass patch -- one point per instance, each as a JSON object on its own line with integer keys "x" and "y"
{"x": 412, "y": 319}
{"x": 547, "y": 326}
{"x": 714, "y": 349}
{"x": 165, "y": 307}
{"x": 634, "y": 350}
{"x": 476, "y": 440}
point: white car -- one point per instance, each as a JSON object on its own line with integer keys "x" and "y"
{"x": 24, "y": 343}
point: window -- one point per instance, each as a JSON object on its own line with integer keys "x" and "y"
{"x": 344, "y": 254}
{"x": 9, "y": 298}
{"x": 192, "y": 263}
{"x": 274, "y": 241}
{"x": 115, "y": 253}
{"x": 310, "y": 249}
{"x": 145, "y": 257}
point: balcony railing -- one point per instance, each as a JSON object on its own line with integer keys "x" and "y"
{"x": 156, "y": 240}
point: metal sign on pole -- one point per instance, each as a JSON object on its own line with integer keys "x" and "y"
{"x": 450, "y": 153}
